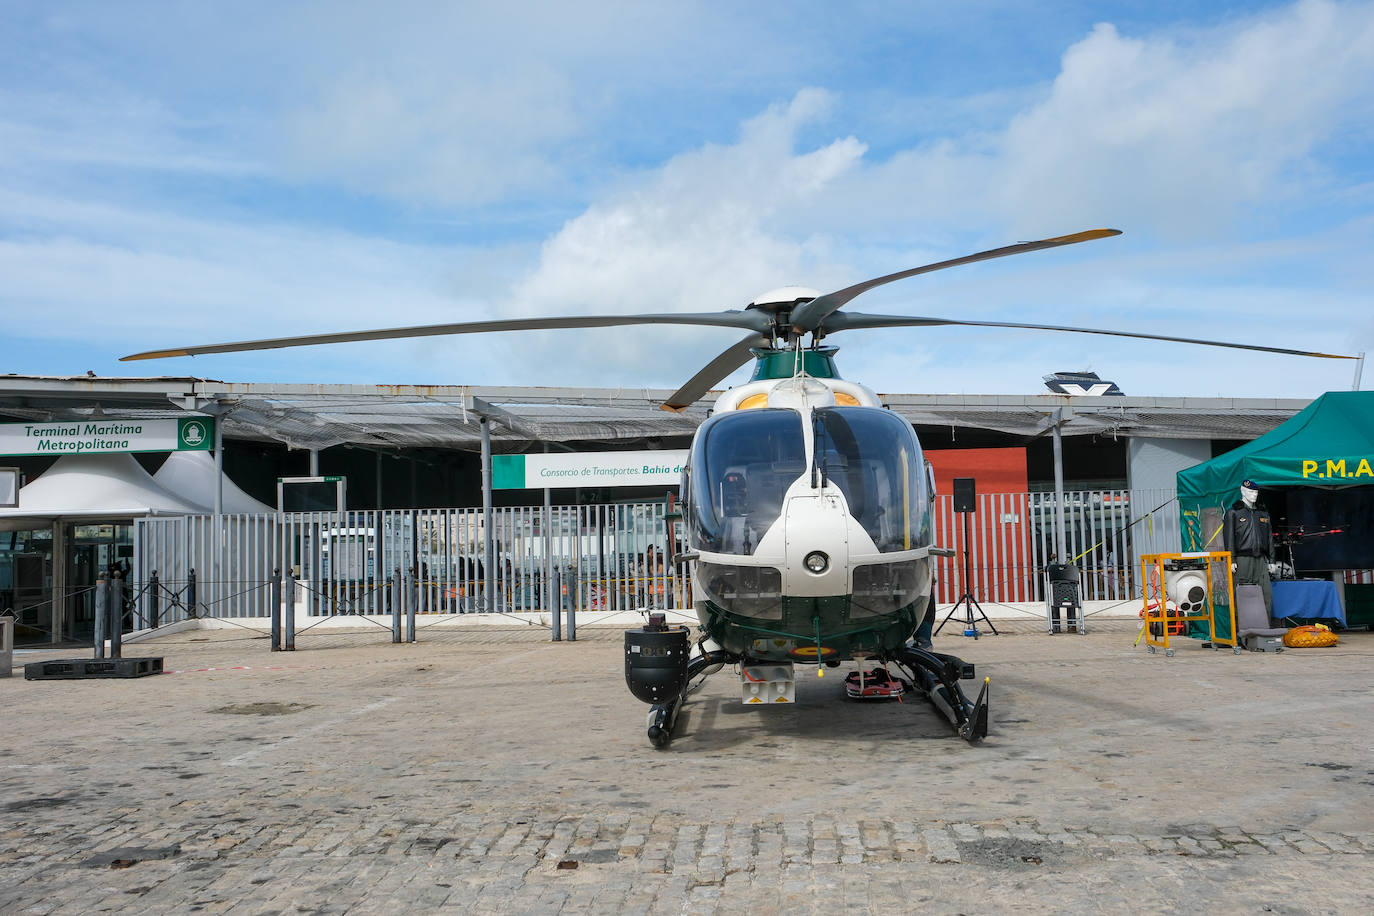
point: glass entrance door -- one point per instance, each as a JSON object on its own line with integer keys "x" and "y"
{"x": 93, "y": 549}
{"x": 26, "y": 584}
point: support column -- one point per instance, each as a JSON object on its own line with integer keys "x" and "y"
{"x": 487, "y": 521}
{"x": 216, "y": 586}
{"x": 314, "y": 462}
{"x": 556, "y": 609}
{"x": 1059, "y": 539}
{"x": 61, "y": 576}
{"x": 219, "y": 466}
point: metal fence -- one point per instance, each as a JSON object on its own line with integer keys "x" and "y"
{"x": 590, "y": 558}
{"x": 1011, "y": 539}
{"x": 603, "y": 557}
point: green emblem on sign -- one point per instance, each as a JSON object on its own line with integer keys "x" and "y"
{"x": 194, "y": 434}
{"x": 507, "y": 472}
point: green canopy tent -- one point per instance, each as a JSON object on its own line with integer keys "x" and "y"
{"x": 1329, "y": 444}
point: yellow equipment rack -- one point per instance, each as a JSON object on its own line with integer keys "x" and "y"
{"x": 1155, "y": 600}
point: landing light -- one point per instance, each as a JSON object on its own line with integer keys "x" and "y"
{"x": 816, "y": 562}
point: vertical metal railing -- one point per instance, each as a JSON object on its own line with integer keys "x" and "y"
{"x": 607, "y": 557}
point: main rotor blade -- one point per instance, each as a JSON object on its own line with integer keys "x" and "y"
{"x": 810, "y": 315}
{"x": 849, "y": 321}
{"x": 714, "y": 371}
{"x": 753, "y": 320}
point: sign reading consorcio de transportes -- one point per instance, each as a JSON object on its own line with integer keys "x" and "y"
{"x": 103, "y": 436}
{"x": 588, "y": 469}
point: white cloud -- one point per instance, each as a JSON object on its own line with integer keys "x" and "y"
{"x": 701, "y": 233}
{"x": 1189, "y": 136}
{"x": 109, "y": 280}
{"x": 462, "y": 140}
{"x": 1223, "y": 152}
{"x": 43, "y": 131}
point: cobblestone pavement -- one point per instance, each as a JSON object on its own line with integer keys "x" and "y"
{"x": 498, "y": 772}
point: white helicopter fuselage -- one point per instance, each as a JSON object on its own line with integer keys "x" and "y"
{"x": 816, "y": 540}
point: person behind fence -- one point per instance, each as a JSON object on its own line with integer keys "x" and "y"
{"x": 121, "y": 594}
{"x": 646, "y": 577}
{"x": 660, "y": 581}
{"x": 1249, "y": 536}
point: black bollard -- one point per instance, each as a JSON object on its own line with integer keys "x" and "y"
{"x": 573, "y": 593}
{"x": 191, "y": 595}
{"x": 154, "y": 599}
{"x": 396, "y": 591}
{"x": 276, "y": 610}
{"x": 101, "y": 614}
{"x": 114, "y": 604}
{"x": 413, "y": 592}
{"x": 289, "y": 623}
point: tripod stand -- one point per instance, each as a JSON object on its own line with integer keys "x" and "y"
{"x": 966, "y": 600}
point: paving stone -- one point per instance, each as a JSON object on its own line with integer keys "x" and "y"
{"x": 941, "y": 848}
{"x": 736, "y": 816}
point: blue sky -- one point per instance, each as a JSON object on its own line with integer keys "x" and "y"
{"x": 181, "y": 173}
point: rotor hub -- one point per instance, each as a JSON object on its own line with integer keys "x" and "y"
{"x": 778, "y": 304}
{"x": 784, "y": 297}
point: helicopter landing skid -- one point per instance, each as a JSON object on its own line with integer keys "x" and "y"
{"x": 663, "y": 716}
{"x": 938, "y": 676}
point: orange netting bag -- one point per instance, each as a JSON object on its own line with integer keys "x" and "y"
{"x": 1316, "y": 636}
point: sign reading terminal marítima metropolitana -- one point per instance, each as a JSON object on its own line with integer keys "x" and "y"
{"x": 102, "y": 436}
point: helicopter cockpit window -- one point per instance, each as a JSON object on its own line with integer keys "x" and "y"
{"x": 873, "y": 456}
{"x": 742, "y": 465}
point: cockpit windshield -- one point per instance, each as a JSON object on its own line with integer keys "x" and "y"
{"x": 741, "y": 467}
{"x": 873, "y": 456}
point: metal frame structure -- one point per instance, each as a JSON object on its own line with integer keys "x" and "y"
{"x": 1161, "y": 618}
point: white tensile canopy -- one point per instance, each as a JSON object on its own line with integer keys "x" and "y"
{"x": 80, "y": 487}
{"x": 191, "y": 476}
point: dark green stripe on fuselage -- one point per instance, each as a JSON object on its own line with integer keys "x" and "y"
{"x": 801, "y": 620}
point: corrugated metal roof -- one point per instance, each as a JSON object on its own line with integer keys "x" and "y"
{"x": 447, "y": 416}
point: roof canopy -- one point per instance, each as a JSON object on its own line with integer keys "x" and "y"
{"x": 394, "y": 417}
{"x": 1330, "y": 443}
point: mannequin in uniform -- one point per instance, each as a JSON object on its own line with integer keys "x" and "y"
{"x": 1249, "y": 536}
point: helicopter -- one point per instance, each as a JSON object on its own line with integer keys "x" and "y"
{"x": 808, "y": 507}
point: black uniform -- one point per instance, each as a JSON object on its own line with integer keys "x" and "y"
{"x": 1249, "y": 535}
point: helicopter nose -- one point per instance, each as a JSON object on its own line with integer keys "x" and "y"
{"x": 817, "y": 547}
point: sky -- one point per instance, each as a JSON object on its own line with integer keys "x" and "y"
{"x": 178, "y": 173}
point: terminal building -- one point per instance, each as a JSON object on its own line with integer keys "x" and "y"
{"x": 422, "y": 502}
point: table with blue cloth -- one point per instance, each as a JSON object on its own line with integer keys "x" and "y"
{"x": 1309, "y": 599}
